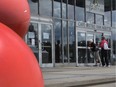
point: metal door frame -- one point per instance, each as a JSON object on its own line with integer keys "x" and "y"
{"x": 39, "y": 44}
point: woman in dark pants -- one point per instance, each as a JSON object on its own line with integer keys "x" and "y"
{"x": 104, "y": 58}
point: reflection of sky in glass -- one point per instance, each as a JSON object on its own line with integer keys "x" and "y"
{"x": 107, "y": 18}
{"x": 57, "y": 9}
{"x": 33, "y": 8}
{"x": 64, "y": 31}
{"x": 57, "y": 27}
{"x": 71, "y": 11}
{"x": 81, "y": 36}
{"x": 114, "y": 18}
{"x": 99, "y": 19}
{"x": 79, "y": 13}
{"x": 114, "y": 34}
{"x": 71, "y": 32}
{"x": 90, "y": 18}
{"x": 45, "y": 7}
{"x": 63, "y": 10}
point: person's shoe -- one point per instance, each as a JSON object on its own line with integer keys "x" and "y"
{"x": 95, "y": 65}
{"x": 108, "y": 66}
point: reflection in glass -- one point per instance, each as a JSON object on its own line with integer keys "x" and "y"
{"x": 81, "y": 55}
{"x": 90, "y": 55}
{"x": 71, "y": 42}
{"x": 57, "y": 9}
{"x": 107, "y": 13}
{"x": 71, "y": 9}
{"x": 98, "y": 38}
{"x": 89, "y": 38}
{"x": 107, "y": 18}
{"x": 33, "y": 8}
{"x": 108, "y": 38}
{"x": 32, "y": 38}
{"x": 57, "y": 27}
{"x": 114, "y": 43}
{"x": 79, "y": 10}
{"x": 64, "y": 8}
{"x": 46, "y": 43}
{"x": 99, "y": 19}
{"x": 90, "y": 18}
{"x": 81, "y": 39}
{"x": 65, "y": 45}
{"x": 114, "y": 18}
{"x": 45, "y": 7}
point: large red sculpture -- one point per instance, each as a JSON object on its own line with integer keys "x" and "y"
{"x": 18, "y": 65}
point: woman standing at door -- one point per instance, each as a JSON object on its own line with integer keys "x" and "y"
{"x": 104, "y": 58}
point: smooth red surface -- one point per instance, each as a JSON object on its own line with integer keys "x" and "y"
{"x": 15, "y": 14}
{"x": 18, "y": 65}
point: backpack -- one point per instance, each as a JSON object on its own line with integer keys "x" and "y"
{"x": 105, "y": 46}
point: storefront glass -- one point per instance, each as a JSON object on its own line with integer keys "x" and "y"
{"x": 114, "y": 18}
{"x": 114, "y": 44}
{"x": 33, "y": 8}
{"x": 90, "y": 18}
{"x": 64, "y": 42}
{"x": 79, "y": 10}
{"x": 99, "y": 19}
{"x": 57, "y": 8}
{"x": 45, "y": 7}
{"x": 81, "y": 47}
{"x": 58, "y": 48}
{"x": 107, "y": 13}
{"x": 114, "y": 13}
{"x": 64, "y": 8}
{"x": 71, "y": 9}
{"x": 71, "y": 42}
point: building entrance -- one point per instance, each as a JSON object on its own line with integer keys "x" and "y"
{"x": 84, "y": 54}
{"x": 40, "y": 39}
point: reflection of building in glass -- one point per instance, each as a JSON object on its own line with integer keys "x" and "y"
{"x": 74, "y": 23}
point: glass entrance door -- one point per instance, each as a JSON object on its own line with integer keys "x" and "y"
{"x": 45, "y": 44}
{"x": 81, "y": 48}
{"x": 40, "y": 40}
{"x": 90, "y": 55}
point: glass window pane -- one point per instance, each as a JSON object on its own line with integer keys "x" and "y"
{"x": 57, "y": 8}
{"x": 107, "y": 14}
{"x": 57, "y": 27}
{"x": 71, "y": 42}
{"x": 81, "y": 55}
{"x": 71, "y": 9}
{"x": 114, "y": 43}
{"x": 33, "y": 8}
{"x": 81, "y": 39}
{"x": 99, "y": 19}
{"x": 45, "y": 7}
{"x": 64, "y": 8}
{"x": 46, "y": 43}
{"x": 65, "y": 44}
{"x": 32, "y": 38}
{"x": 107, "y": 18}
{"x": 114, "y": 18}
{"x": 79, "y": 10}
{"x": 90, "y": 18}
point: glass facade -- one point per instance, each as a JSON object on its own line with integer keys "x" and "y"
{"x": 90, "y": 18}
{"x": 107, "y": 13}
{"x": 99, "y": 19}
{"x": 45, "y": 8}
{"x": 114, "y": 30}
{"x": 80, "y": 10}
{"x": 65, "y": 14}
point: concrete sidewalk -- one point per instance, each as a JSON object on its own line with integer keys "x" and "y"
{"x": 78, "y": 76}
